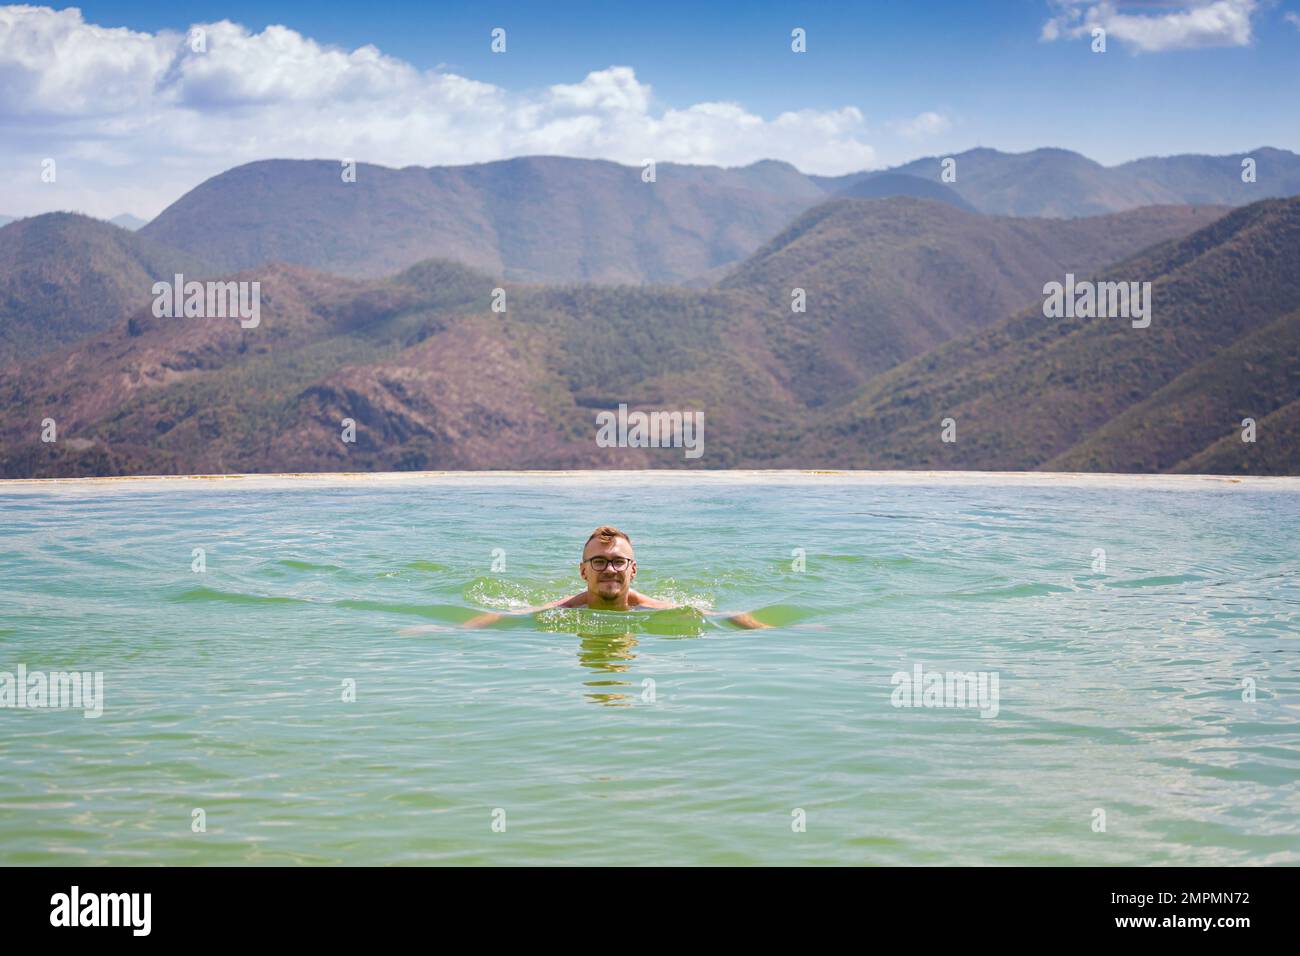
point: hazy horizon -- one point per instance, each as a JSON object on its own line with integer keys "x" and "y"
{"x": 506, "y": 159}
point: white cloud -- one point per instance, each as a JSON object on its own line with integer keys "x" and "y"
{"x": 1292, "y": 18}
{"x": 136, "y": 119}
{"x": 615, "y": 90}
{"x": 922, "y": 125}
{"x": 1194, "y": 24}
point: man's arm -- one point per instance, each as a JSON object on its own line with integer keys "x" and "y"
{"x": 483, "y": 620}
{"x": 747, "y": 620}
{"x": 491, "y": 617}
{"x": 637, "y": 599}
{"x": 744, "y": 619}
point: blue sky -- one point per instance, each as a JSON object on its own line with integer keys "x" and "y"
{"x": 880, "y": 84}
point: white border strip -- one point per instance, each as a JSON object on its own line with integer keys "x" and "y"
{"x": 654, "y": 477}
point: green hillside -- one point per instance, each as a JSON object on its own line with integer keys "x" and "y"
{"x": 64, "y": 276}
{"x": 1030, "y": 389}
{"x": 905, "y": 326}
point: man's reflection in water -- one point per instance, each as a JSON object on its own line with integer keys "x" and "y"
{"x": 608, "y": 654}
{"x": 613, "y": 654}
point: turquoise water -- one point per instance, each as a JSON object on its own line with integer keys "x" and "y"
{"x": 664, "y": 737}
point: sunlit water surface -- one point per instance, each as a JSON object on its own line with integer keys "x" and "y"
{"x": 664, "y": 737}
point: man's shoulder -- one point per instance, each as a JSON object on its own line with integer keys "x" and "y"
{"x": 653, "y": 603}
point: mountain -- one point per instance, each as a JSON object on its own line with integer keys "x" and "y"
{"x": 1059, "y": 183}
{"x": 1216, "y": 179}
{"x": 887, "y": 185}
{"x": 555, "y": 219}
{"x": 1230, "y": 455}
{"x": 1257, "y": 377}
{"x": 5, "y": 220}
{"x": 886, "y": 280}
{"x": 416, "y": 360}
{"x": 764, "y": 176}
{"x": 1097, "y": 394}
{"x": 532, "y": 219}
{"x": 433, "y": 378}
{"x": 128, "y": 222}
{"x": 63, "y": 276}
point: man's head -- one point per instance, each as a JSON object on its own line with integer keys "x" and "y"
{"x": 608, "y": 566}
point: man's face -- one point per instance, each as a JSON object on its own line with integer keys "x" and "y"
{"x": 609, "y": 584}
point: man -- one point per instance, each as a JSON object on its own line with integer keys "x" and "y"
{"x": 608, "y": 566}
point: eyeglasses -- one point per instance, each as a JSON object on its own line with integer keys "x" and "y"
{"x": 600, "y": 564}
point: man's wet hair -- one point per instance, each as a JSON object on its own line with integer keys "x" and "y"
{"x": 606, "y": 534}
